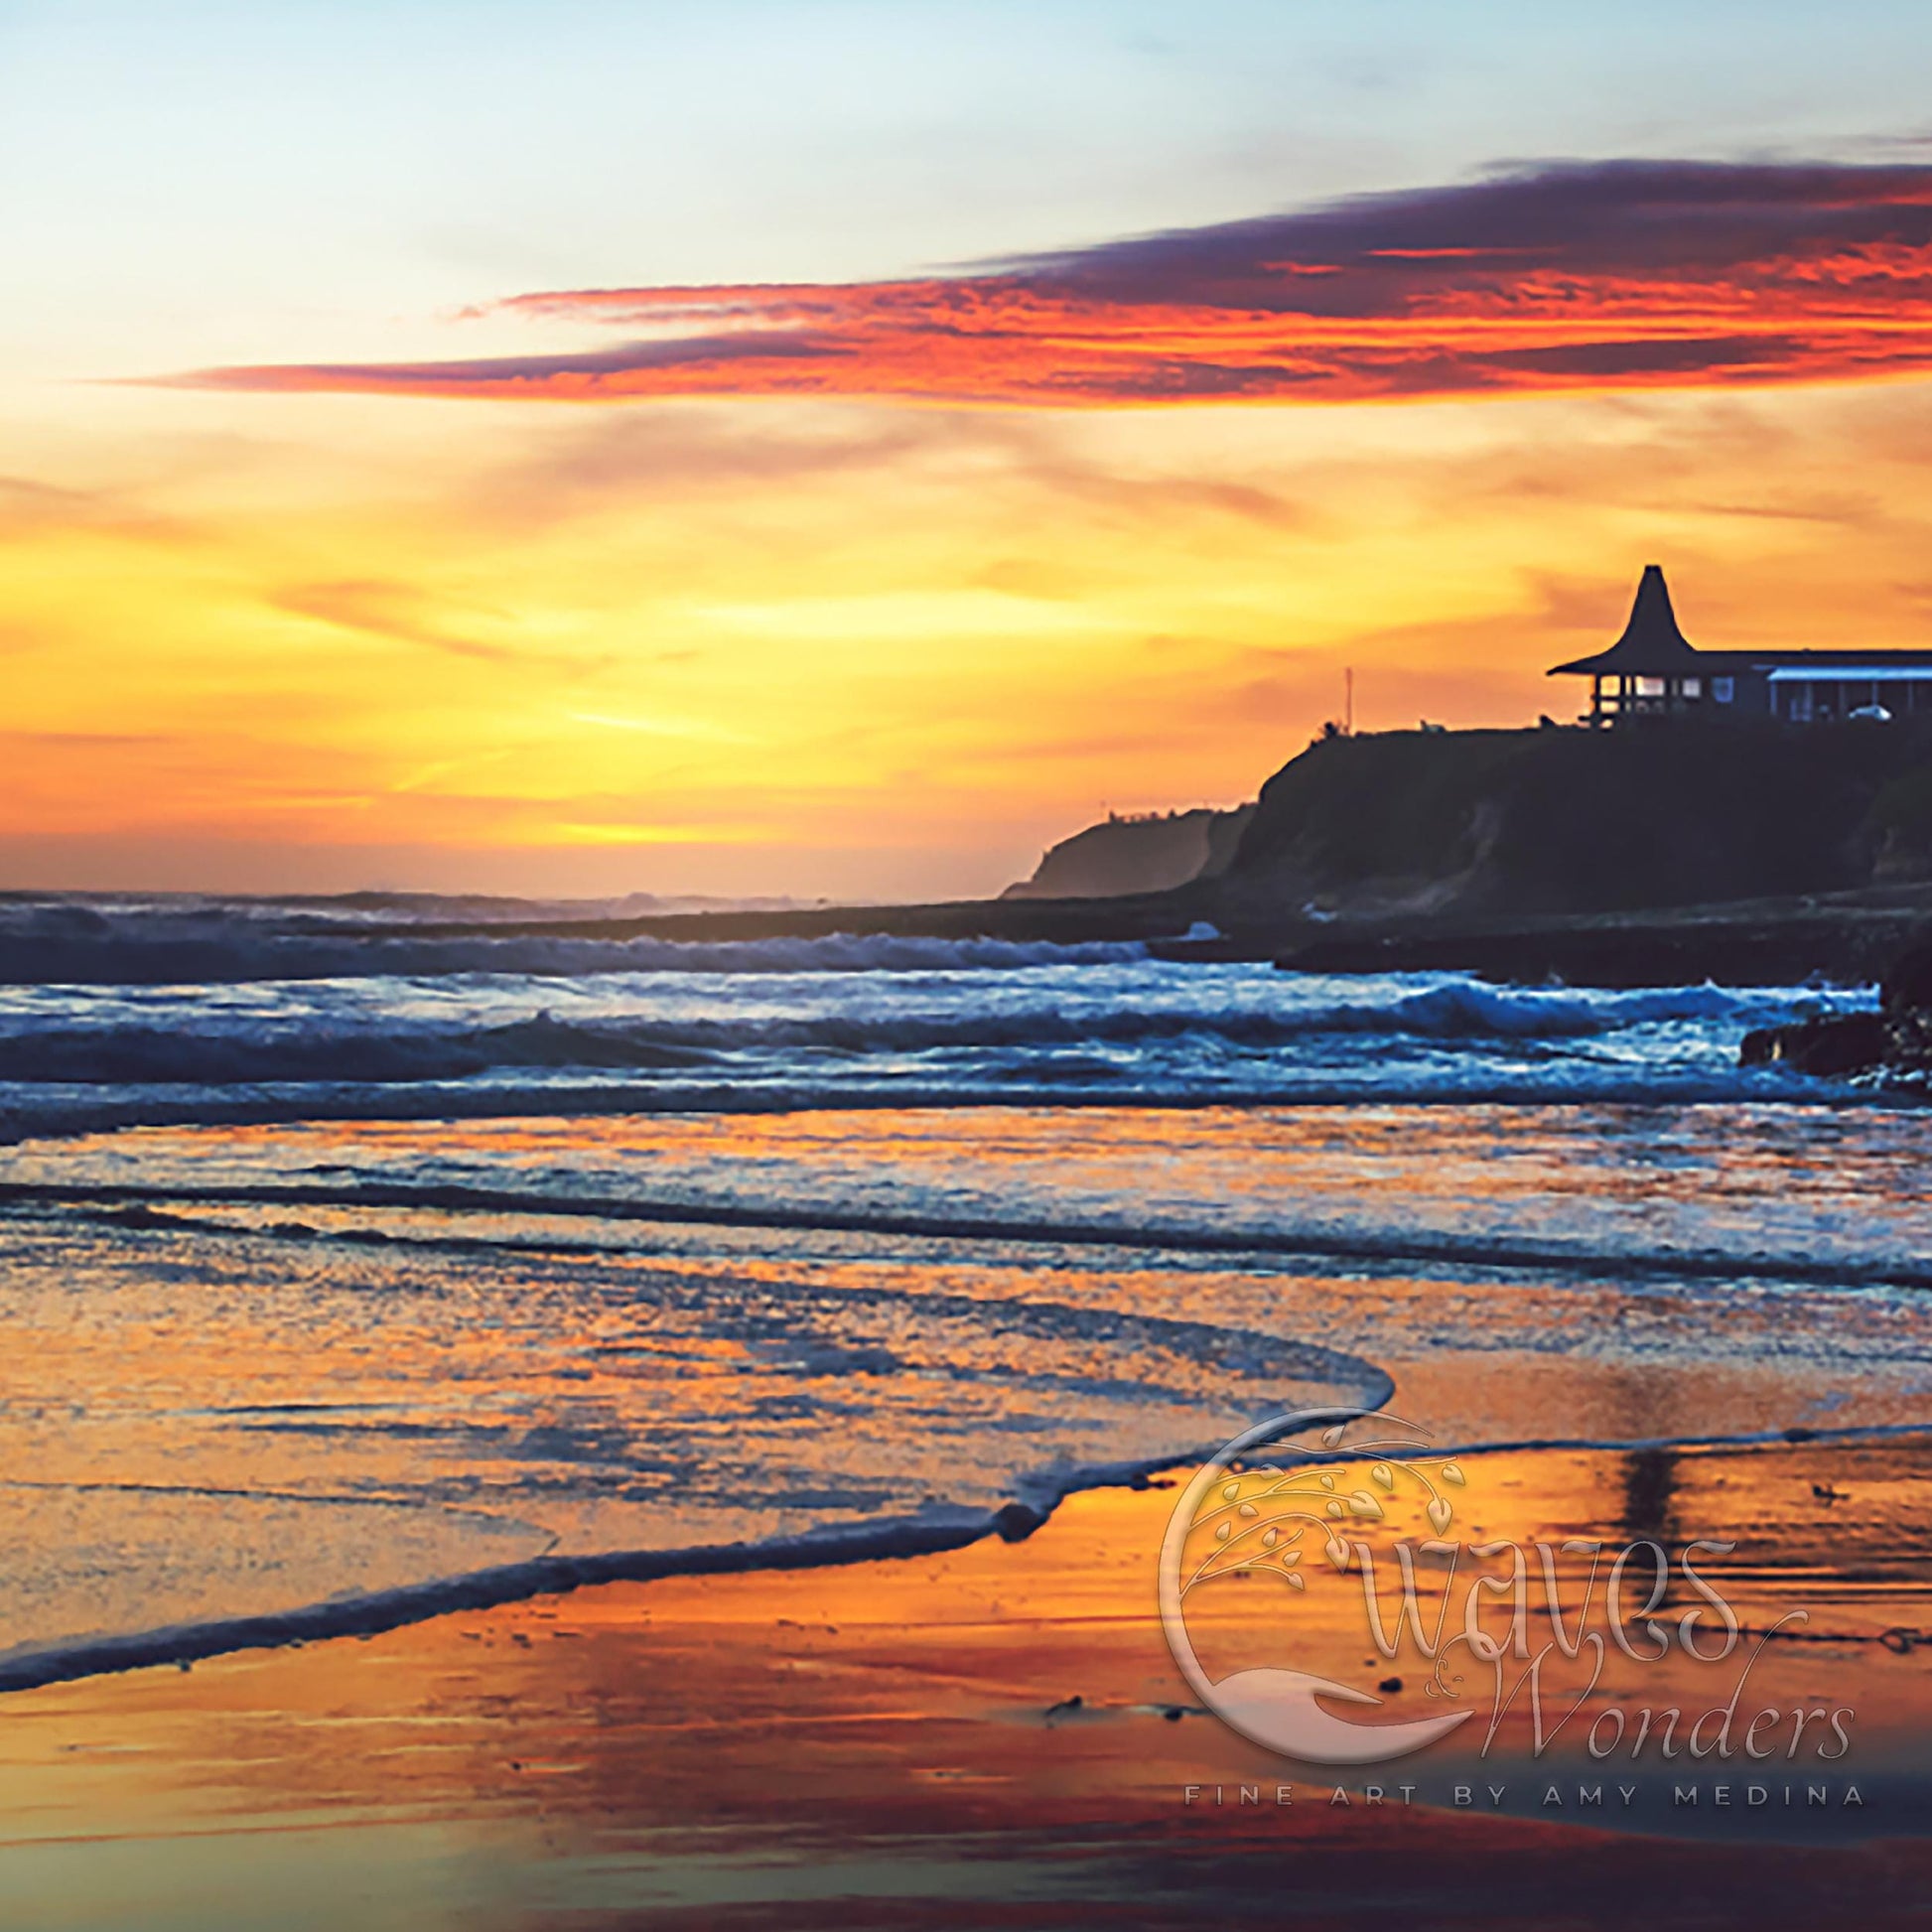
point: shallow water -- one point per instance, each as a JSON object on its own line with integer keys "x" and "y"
{"x": 512, "y": 1249}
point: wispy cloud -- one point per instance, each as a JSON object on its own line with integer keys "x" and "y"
{"x": 31, "y": 511}
{"x": 380, "y": 610}
{"x": 662, "y": 725}
{"x": 1560, "y": 277}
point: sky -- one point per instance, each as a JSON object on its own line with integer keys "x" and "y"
{"x": 837, "y": 448}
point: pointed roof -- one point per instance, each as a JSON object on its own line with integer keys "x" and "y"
{"x": 1651, "y": 645}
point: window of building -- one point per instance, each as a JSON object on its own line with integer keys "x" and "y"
{"x": 1723, "y": 689}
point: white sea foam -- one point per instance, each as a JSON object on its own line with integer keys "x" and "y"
{"x": 933, "y": 1530}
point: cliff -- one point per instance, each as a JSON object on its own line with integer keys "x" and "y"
{"x": 1559, "y": 821}
{"x": 1126, "y": 856}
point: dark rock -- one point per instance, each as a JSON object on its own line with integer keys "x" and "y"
{"x": 1015, "y": 1522}
{"x": 1908, "y": 988}
{"x": 1852, "y": 1042}
{"x": 1895, "y": 1040}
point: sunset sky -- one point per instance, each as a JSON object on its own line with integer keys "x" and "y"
{"x": 837, "y": 448}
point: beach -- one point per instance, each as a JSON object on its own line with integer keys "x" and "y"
{"x": 993, "y": 1737}
{"x": 965, "y": 968}
{"x": 504, "y": 1434}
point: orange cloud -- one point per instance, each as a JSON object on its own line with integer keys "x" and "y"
{"x": 382, "y": 610}
{"x": 1574, "y": 277}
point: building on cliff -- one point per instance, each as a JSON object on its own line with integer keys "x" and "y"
{"x": 1653, "y": 670}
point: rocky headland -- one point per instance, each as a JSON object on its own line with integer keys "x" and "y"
{"x": 1151, "y": 852}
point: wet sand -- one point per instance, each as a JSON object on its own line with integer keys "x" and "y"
{"x": 898, "y": 1744}
{"x": 210, "y": 1404}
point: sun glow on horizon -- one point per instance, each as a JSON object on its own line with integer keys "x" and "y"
{"x": 825, "y": 527}
{"x": 721, "y": 632}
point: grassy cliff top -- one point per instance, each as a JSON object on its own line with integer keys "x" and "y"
{"x": 1672, "y": 814}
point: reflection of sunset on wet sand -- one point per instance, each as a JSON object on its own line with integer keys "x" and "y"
{"x": 901, "y": 1744}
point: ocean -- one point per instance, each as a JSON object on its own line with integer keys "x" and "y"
{"x": 365, "y": 1261}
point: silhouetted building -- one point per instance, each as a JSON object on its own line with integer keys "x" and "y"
{"x": 1653, "y": 670}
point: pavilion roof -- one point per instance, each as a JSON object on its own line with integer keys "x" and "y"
{"x": 1651, "y": 646}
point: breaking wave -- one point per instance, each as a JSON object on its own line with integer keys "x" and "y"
{"x": 351, "y": 1045}
{"x": 71, "y": 944}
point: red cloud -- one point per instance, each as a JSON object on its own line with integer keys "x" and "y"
{"x": 1623, "y": 274}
